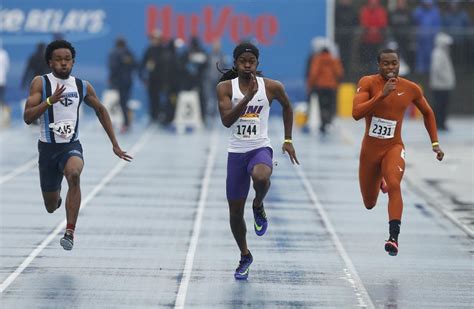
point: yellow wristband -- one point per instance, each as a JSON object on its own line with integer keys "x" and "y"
{"x": 434, "y": 144}
{"x": 289, "y": 141}
{"x": 48, "y": 102}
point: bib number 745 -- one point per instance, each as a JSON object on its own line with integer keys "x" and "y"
{"x": 63, "y": 129}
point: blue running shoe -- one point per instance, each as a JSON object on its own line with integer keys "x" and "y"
{"x": 260, "y": 223}
{"x": 242, "y": 272}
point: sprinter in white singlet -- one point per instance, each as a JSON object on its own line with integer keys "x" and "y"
{"x": 244, "y": 106}
{"x": 55, "y": 99}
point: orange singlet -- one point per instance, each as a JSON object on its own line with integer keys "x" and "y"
{"x": 382, "y": 153}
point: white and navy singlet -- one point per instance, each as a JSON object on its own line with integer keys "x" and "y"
{"x": 250, "y": 131}
{"x": 60, "y": 122}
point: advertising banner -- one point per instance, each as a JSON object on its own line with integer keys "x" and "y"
{"x": 282, "y": 29}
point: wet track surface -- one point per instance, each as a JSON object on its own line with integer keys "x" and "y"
{"x": 154, "y": 233}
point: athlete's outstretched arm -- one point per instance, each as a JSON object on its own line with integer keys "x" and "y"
{"x": 104, "y": 118}
{"x": 228, "y": 114}
{"x": 430, "y": 123}
{"x": 363, "y": 104}
{"x": 278, "y": 92}
{"x": 34, "y": 107}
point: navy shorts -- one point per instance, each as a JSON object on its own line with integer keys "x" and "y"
{"x": 239, "y": 170}
{"x": 52, "y": 160}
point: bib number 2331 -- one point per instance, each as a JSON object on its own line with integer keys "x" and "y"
{"x": 247, "y": 128}
{"x": 382, "y": 128}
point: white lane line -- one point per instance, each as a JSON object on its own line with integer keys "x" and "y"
{"x": 418, "y": 190}
{"x": 351, "y": 273}
{"x": 188, "y": 266}
{"x": 25, "y": 167}
{"x": 19, "y": 170}
{"x": 117, "y": 168}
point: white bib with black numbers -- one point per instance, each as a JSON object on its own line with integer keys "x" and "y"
{"x": 63, "y": 128}
{"x": 247, "y": 128}
{"x": 382, "y": 128}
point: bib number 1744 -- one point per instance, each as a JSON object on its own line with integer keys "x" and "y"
{"x": 246, "y": 129}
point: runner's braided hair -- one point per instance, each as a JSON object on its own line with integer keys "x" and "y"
{"x": 243, "y": 47}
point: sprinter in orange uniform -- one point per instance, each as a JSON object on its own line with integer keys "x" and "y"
{"x": 382, "y": 100}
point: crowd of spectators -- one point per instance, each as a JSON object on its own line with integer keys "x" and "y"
{"x": 366, "y": 26}
{"x": 362, "y": 28}
{"x": 167, "y": 67}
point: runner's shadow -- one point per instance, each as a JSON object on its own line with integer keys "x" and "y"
{"x": 391, "y": 294}
{"x": 243, "y": 294}
{"x": 61, "y": 290}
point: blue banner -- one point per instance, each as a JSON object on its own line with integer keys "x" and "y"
{"x": 282, "y": 30}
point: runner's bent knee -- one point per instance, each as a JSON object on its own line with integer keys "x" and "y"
{"x": 73, "y": 178}
{"x": 260, "y": 179}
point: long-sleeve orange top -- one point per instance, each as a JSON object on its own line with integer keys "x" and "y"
{"x": 384, "y": 115}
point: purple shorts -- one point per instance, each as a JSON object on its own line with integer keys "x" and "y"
{"x": 239, "y": 170}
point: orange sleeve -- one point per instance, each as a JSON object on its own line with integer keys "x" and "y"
{"x": 428, "y": 116}
{"x": 363, "y": 104}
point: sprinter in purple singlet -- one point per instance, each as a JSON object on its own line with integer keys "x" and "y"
{"x": 244, "y": 105}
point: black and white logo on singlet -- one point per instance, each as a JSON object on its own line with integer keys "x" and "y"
{"x": 66, "y": 101}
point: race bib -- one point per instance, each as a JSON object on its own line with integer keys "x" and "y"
{"x": 382, "y": 128}
{"x": 247, "y": 128}
{"x": 64, "y": 128}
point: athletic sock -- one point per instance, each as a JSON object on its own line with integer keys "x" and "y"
{"x": 70, "y": 228}
{"x": 394, "y": 229}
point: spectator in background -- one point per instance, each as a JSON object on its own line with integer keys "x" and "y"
{"x": 346, "y": 21}
{"x": 121, "y": 67}
{"x": 150, "y": 74}
{"x": 374, "y": 21}
{"x": 169, "y": 80}
{"x": 442, "y": 78}
{"x": 216, "y": 58}
{"x": 400, "y": 24}
{"x": 428, "y": 21}
{"x": 181, "y": 51}
{"x": 324, "y": 76}
{"x": 36, "y": 65}
{"x": 196, "y": 65}
{"x": 4, "y": 67}
{"x": 315, "y": 49}
{"x": 456, "y": 23}
{"x": 404, "y": 69}
{"x": 318, "y": 43}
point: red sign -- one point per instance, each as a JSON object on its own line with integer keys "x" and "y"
{"x": 211, "y": 25}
